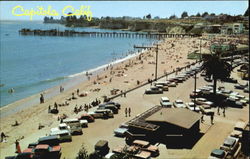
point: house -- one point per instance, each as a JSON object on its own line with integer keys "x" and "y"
{"x": 235, "y": 28}
{"x": 159, "y": 123}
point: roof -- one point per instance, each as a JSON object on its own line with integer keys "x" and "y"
{"x": 177, "y": 116}
{"x": 47, "y": 138}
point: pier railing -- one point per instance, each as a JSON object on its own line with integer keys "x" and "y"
{"x": 55, "y": 32}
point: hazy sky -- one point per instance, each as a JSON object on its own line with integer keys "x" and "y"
{"x": 129, "y": 8}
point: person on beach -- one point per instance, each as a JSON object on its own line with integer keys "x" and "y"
{"x": 212, "y": 119}
{"x": 126, "y": 111}
{"x": 49, "y": 109}
{"x": 61, "y": 89}
{"x": 77, "y": 92}
{"x": 55, "y": 106}
{"x": 224, "y": 111}
{"x": 3, "y": 137}
{"x": 218, "y": 110}
{"x": 18, "y": 149}
{"x": 129, "y": 111}
{"x": 121, "y": 93}
{"x": 125, "y": 93}
{"x": 41, "y": 99}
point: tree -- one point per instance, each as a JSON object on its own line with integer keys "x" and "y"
{"x": 216, "y": 68}
{"x": 173, "y": 17}
{"x": 198, "y": 15}
{"x": 184, "y": 14}
{"x": 83, "y": 153}
{"x": 204, "y": 14}
{"x": 213, "y": 14}
{"x": 148, "y": 16}
{"x": 246, "y": 13}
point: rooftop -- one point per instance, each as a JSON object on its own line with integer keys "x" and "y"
{"x": 181, "y": 117}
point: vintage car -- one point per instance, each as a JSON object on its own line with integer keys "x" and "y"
{"x": 238, "y": 129}
{"x": 163, "y": 87}
{"x": 218, "y": 154}
{"x": 120, "y": 132}
{"x": 61, "y": 126}
{"x": 118, "y": 105}
{"x": 102, "y": 147}
{"x": 49, "y": 140}
{"x": 230, "y": 144}
{"x": 103, "y": 113}
{"x": 206, "y": 109}
{"x": 179, "y": 104}
{"x": 146, "y": 146}
{"x": 191, "y": 106}
{"x": 202, "y": 101}
{"x": 111, "y": 107}
{"x": 87, "y": 117}
{"x": 153, "y": 90}
{"x": 43, "y": 151}
{"x": 75, "y": 126}
{"x": 63, "y": 135}
{"x": 165, "y": 102}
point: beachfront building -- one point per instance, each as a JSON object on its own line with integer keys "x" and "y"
{"x": 162, "y": 125}
{"x": 235, "y": 28}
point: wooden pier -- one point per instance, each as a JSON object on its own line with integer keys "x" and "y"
{"x": 55, "y": 32}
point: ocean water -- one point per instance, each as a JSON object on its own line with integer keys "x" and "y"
{"x": 31, "y": 64}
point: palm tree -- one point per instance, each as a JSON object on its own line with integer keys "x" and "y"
{"x": 216, "y": 68}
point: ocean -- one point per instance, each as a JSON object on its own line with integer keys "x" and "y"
{"x": 32, "y": 64}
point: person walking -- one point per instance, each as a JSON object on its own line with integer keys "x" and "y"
{"x": 218, "y": 110}
{"x": 224, "y": 111}
{"x": 202, "y": 118}
{"x": 129, "y": 111}
{"x": 18, "y": 149}
{"x": 3, "y": 137}
{"x": 212, "y": 119}
{"x": 126, "y": 111}
{"x": 125, "y": 94}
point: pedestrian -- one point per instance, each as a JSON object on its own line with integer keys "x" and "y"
{"x": 202, "y": 118}
{"x": 121, "y": 93}
{"x": 55, "y": 106}
{"x": 224, "y": 111}
{"x": 218, "y": 110}
{"x": 41, "y": 99}
{"x": 77, "y": 91}
{"x": 3, "y": 137}
{"x": 129, "y": 111}
{"x": 126, "y": 111}
{"x": 49, "y": 109}
{"x": 18, "y": 149}
{"x": 125, "y": 93}
{"x": 212, "y": 119}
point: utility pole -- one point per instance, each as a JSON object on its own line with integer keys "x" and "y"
{"x": 156, "y": 62}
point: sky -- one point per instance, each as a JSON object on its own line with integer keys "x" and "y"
{"x": 162, "y": 9}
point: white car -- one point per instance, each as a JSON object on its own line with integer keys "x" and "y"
{"x": 179, "y": 104}
{"x": 238, "y": 129}
{"x": 191, "y": 106}
{"x": 165, "y": 102}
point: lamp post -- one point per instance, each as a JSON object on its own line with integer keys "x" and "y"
{"x": 156, "y": 62}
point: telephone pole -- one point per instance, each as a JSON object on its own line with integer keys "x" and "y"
{"x": 156, "y": 62}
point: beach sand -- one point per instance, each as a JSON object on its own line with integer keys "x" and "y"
{"x": 123, "y": 76}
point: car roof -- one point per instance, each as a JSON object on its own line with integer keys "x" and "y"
{"x": 164, "y": 98}
{"x": 178, "y": 100}
{"x": 62, "y": 125}
{"x": 70, "y": 120}
{"x": 52, "y": 137}
{"x": 42, "y": 146}
{"x": 229, "y": 141}
{"x": 59, "y": 132}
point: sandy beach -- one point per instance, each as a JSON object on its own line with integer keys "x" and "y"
{"x": 123, "y": 76}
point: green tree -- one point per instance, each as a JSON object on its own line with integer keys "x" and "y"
{"x": 83, "y": 153}
{"x": 184, "y": 14}
{"x": 204, "y": 14}
{"x": 198, "y": 15}
{"x": 148, "y": 16}
{"x": 173, "y": 17}
{"x": 216, "y": 68}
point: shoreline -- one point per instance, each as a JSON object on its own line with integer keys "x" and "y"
{"x": 51, "y": 92}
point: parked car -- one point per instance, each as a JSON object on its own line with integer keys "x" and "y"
{"x": 191, "y": 106}
{"x": 63, "y": 135}
{"x": 231, "y": 145}
{"x": 240, "y": 86}
{"x": 234, "y": 102}
{"x": 87, "y": 117}
{"x": 165, "y": 102}
{"x": 49, "y": 140}
{"x": 113, "y": 108}
{"x": 231, "y": 80}
{"x": 109, "y": 155}
{"x": 172, "y": 84}
{"x": 153, "y": 90}
{"x": 61, "y": 126}
{"x": 75, "y": 126}
{"x": 43, "y": 151}
{"x": 203, "y": 101}
{"x": 120, "y": 132}
{"x": 218, "y": 154}
{"x": 163, "y": 87}
{"x": 238, "y": 129}
{"x": 118, "y": 105}
{"x": 163, "y": 83}
{"x": 103, "y": 113}
{"x": 246, "y": 90}
{"x": 102, "y": 147}
{"x": 146, "y": 146}
{"x": 179, "y": 104}
{"x": 206, "y": 109}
